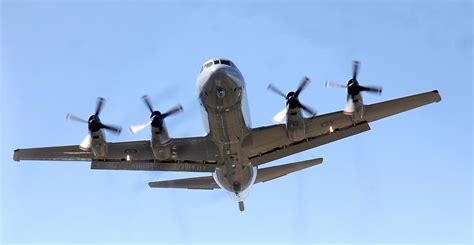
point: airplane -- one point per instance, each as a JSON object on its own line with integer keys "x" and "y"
{"x": 231, "y": 152}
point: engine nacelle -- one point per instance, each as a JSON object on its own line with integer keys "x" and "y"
{"x": 98, "y": 144}
{"x": 160, "y": 142}
{"x": 358, "y": 114}
{"x": 295, "y": 124}
{"x": 355, "y": 108}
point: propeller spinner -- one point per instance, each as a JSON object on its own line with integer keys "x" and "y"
{"x": 292, "y": 100}
{"x": 94, "y": 124}
{"x": 156, "y": 117}
{"x": 353, "y": 87}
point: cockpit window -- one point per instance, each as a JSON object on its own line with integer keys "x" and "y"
{"x": 225, "y": 62}
{"x": 208, "y": 64}
{"x": 216, "y": 62}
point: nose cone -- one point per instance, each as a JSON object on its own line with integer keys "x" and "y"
{"x": 226, "y": 74}
{"x": 222, "y": 88}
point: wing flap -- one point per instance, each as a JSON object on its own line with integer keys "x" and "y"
{"x": 200, "y": 183}
{"x": 270, "y": 173}
{"x": 309, "y": 143}
{"x": 154, "y": 166}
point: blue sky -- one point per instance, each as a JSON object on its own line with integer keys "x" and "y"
{"x": 408, "y": 180}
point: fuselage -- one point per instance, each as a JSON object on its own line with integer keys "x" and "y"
{"x": 221, "y": 91}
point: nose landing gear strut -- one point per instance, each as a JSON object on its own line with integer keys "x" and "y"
{"x": 237, "y": 188}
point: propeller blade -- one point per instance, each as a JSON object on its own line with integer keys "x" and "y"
{"x": 137, "y": 128}
{"x": 147, "y": 101}
{"x": 302, "y": 85}
{"x": 172, "y": 111}
{"x": 271, "y": 87}
{"x": 355, "y": 69}
{"x": 308, "y": 109}
{"x": 113, "y": 129}
{"x": 86, "y": 143}
{"x": 371, "y": 89}
{"x": 72, "y": 117}
{"x": 280, "y": 116}
{"x": 330, "y": 84}
{"x": 99, "y": 106}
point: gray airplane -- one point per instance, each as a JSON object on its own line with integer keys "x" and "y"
{"x": 232, "y": 152}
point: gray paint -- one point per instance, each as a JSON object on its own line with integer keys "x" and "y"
{"x": 231, "y": 150}
{"x": 221, "y": 90}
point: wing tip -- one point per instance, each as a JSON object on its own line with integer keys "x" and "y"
{"x": 16, "y": 158}
{"x": 157, "y": 184}
{"x": 437, "y": 96}
{"x": 314, "y": 162}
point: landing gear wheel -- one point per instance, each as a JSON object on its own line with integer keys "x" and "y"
{"x": 241, "y": 206}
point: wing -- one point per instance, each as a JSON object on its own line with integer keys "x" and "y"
{"x": 271, "y": 142}
{"x": 57, "y": 153}
{"x": 388, "y": 108}
{"x": 195, "y": 154}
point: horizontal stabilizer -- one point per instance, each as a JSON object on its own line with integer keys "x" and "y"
{"x": 203, "y": 183}
{"x": 266, "y": 174}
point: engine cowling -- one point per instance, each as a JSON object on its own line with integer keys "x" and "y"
{"x": 95, "y": 140}
{"x": 355, "y": 107}
{"x": 295, "y": 124}
{"x": 160, "y": 142}
{"x": 294, "y": 117}
{"x": 98, "y": 145}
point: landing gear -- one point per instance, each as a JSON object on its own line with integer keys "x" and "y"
{"x": 239, "y": 198}
{"x": 241, "y": 206}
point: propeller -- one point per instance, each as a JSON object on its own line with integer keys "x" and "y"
{"x": 94, "y": 124}
{"x": 292, "y": 100}
{"x": 156, "y": 117}
{"x": 353, "y": 87}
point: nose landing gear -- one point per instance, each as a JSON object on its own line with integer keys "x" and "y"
{"x": 241, "y": 206}
{"x": 237, "y": 188}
